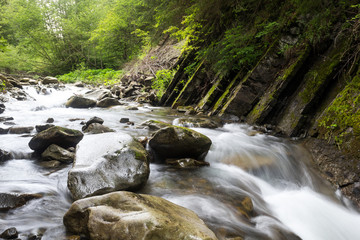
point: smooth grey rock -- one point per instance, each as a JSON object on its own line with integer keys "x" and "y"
{"x": 54, "y": 152}
{"x": 40, "y": 128}
{"x": 179, "y": 142}
{"x": 14, "y": 200}
{"x": 97, "y": 128}
{"x": 108, "y": 162}
{"x": 98, "y": 94}
{"x": 60, "y": 136}
{"x": 130, "y": 216}
{"x": 50, "y": 80}
{"x": 80, "y": 102}
{"x": 107, "y": 102}
{"x": 20, "y": 130}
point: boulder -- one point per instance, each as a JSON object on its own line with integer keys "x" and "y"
{"x": 108, "y": 162}
{"x": 130, "y": 216}
{"x": 40, "y": 128}
{"x": 124, "y": 120}
{"x": 10, "y": 233}
{"x": 54, "y": 152}
{"x": 79, "y": 84}
{"x": 4, "y": 155}
{"x": 15, "y": 83}
{"x": 14, "y": 200}
{"x": 50, "y": 120}
{"x": 179, "y": 142}
{"x": 186, "y": 163}
{"x": 50, "y": 80}
{"x": 132, "y": 108}
{"x": 20, "y": 130}
{"x": 98, "y": 94}
{"x": 2, "y": 108}
{"x": 197, "y": 122}
{"x": 80, "y": 102}
{"x": 96, "y": 128}
{"x": 60, "y": 136}
{"x": 92, "y": 120}
{"x": 3, "y": 119}
{"x": 107, "y": 102}
{"x": 4, "y": 130}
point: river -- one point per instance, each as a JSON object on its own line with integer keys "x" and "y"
{"x": 287, "y": 194}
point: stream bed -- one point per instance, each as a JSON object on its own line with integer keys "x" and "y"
{"x": 286, "y": 193}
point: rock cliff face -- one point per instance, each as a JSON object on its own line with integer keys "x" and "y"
{"x": 310, "y": 92}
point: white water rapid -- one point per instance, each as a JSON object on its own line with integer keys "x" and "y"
{"x": 288, "y": 198}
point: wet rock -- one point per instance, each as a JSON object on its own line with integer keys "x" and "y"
{"x": 10, "y": 233}
{"x": 186, "y": 163}
{"x": 60, "y": 136}
{"x": 184, "y": 109}
{"x": 124, "y": 120}
{"x": 40, "y": 128}
{"x": 32, "y": 236}
{"x": 54, "y": 152}
{"x": 14, "y": 200}
{"x": 3, "y": 119}
{"x": 9, "y": 123}
{"x": 79, "y": 84}
{"x": 20, "y": 130}
{"x": 108, "y": 102}
{"x": 80, "y": 102}
{"x": 50, "y": 164}
{"x": 4, "y": 155}
{"x": 96, "y": 128}
{"x": 4, "y": 130}
{"x": 92, "y": 120}
{"x": 108, "y": 162}
{"x": 2, "y": 108}
{"x": 50, "y": 80}
{"x": 179, "y": 142}
{"x": 127, "y": 216}
{"x": 98, "y": 94}
{"x": 155, "y": 125}
{"x": 131, "y": 108}
{"x": 15, "y": 83}
{"x": 50, "y": 120}
{"x": 197, "y": 122}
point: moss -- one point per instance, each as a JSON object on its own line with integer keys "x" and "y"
{"x": 321, "y": 72}
{"x": 206, "y": 100}
{"x": 220, "y": 101}
{"x": 177, "y": 101}
{"x": 138, "y": 150}
{"x": 341, "y": 119}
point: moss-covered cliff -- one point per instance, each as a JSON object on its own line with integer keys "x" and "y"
{"x": 292, "y": 64}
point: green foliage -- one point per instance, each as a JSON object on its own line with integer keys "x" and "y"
{"x": 162, "y": 81}
{"x": 92, "y": 76}
{"x": 343, "y": 114}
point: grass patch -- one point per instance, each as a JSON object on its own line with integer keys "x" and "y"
{"x": 93, "y": 76}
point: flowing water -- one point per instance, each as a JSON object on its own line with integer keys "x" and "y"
{"x": 287, "y": 197}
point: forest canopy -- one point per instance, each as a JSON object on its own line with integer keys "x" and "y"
{"x": 58, "y": 36}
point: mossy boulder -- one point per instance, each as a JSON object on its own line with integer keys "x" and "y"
{"x": 63, "y": 137}
{"x": 198, "y": 122}
{"x": 106, "y": 163}
{"x": 130, "y": 216}
{"x": 54, "y": 152}
{"x": 80, "y": 102}
{"x": 179, "y": 142}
